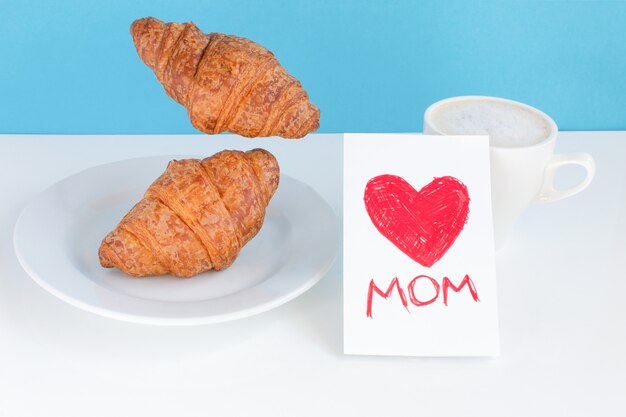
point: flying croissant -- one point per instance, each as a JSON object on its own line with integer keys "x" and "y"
{"x": 227, "y": 83}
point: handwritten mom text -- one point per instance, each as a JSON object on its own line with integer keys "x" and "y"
{"x": 444, "y": 289}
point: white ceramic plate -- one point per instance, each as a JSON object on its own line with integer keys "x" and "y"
{"x": 58, "y": 234}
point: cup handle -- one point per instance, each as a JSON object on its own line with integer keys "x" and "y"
{"x": 548, "y": 193}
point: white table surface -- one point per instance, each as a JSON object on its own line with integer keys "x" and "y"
{"x": 562, "y": 311}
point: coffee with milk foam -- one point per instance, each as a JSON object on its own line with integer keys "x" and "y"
{"x": 506, "y": 124}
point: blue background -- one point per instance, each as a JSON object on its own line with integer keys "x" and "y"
{"x": 69, "y": 66}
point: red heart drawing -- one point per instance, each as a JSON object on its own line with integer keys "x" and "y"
{"x": 423, "y": 224}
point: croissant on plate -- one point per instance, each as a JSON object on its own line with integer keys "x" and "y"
{"x": 227, "y": 83}
{"x": 195, "y": 217}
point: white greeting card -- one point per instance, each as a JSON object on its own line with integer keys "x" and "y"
{"x": 419, "y": 262}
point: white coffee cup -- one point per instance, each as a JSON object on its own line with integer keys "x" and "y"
{"x": 523, "y": 163}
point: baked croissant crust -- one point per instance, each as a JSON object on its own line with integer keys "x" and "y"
{"x": 195, "y": 217}
{"x": 227, "y": 83}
